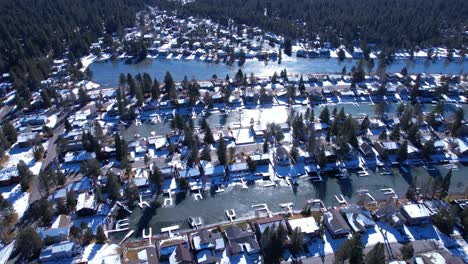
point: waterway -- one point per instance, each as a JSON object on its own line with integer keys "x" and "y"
{"x": 212, "y": 207}
{"x": 107, "y": 73}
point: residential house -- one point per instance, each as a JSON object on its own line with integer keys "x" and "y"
{"x": 142, "y": 255}
{"x": 416, "y": 214}
{"x": 26, "y": 139}
{"x": 86, "y": 204}
{"x": 206, "y": 243}
{"x": 58, "y": 231}
{"x": 358, "y": 219}
{"x": 307, "y": 225}
{"x": 336, "y": 224}
{"x": 175, "y": 252}
{"x": 9, "y": 176}
{"x": 241, "y": 241}
{"x": 59, "y": 252}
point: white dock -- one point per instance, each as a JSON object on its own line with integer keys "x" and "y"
{"x": 231, "y": 214}
{"x": 170, "y": 229}
{"x": 124, "y": 207}
{"x": 317, "y": 201}
{"x": 127, "y": 236}
{"x": 363, "y": 172}
{"x": 389, "y": 192}
{"x": 142, "y": 203}
{"x": 341, "y": 199}
{"x": 289, "y": 206}
{"x": 198, "y": 196}
{"x": 269, "y": 184}
{"x": 244, "y": 184}
{"x": 262, "y": 207}
{"x": 219, "y": 189}
{"x": 147, "y": 236}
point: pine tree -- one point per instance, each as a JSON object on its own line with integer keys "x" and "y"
{"x": 113, "y": 187}
{"x": 101, "y": 237}
{"x": 325, "y": 116}
{"x": 170, "y": 86}
{"x": 446, "y": 184}
{"x": 28, "y": 242}
{"x": 25, "y": 175}
{"x": 376, "y": 255}
{"x": 221, "y": 151}
{"x": 10, "y": 132}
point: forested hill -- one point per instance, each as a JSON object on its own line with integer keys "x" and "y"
{"x": 391, "y": 23}
{"x": 35, "y": 28}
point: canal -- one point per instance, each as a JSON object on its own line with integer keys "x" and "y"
{"x": 107, "y": 73}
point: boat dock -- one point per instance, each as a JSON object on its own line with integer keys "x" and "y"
{"x": 262, "y": 207}
{"x": 231, "y": 214}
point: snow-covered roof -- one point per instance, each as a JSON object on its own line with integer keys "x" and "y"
{"x": 306, "y": 224}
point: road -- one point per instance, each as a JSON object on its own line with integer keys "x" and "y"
{"x": 51, "y": 155}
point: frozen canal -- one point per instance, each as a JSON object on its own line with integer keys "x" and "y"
{"x": 107, "y": 73}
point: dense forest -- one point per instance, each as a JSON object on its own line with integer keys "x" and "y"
{"x": 33, "y": 31}
{"x": 392, "y": 24}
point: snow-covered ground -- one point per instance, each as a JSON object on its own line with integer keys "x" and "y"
{"x": 87, "y": 60}
{"x": 16, "y": 197}
{"x": 101, "y": 254}
{"x": 5, "y": 252}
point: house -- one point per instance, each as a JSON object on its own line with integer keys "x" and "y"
{"x": 391, "y": 214}
{"x": 261, "y": 159}
{"x": 33, "y": 120}
{"x": 416, "y": 214}
{"x": 241, "y": 241}
{"x": 237, "y": 168}
{"x": 86, "y": 204}
{"x": 358, "y": 219}
{"x": 175, "y": 252}
{"x": 142, "y": 255}
{"x": 59, "y": 229}
{"x": 273, "y": 222}
{"x": 9, "y": 176}
{"x": 25, "y": 139}
{"x": 205, "y": 243}
{"x": 59, "y": 252}
{"x": 336, "y": 224}
{"x": 78, "y": 157}
{"x": 206, "y": 239}
{"x": 308, "y": 226}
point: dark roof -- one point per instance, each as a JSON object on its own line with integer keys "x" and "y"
{"x": 336, "y": 222}
{"x": 183, "y": 254}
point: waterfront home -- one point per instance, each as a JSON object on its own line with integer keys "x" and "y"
{"x": 391, "y": 214}
{"x": 189, "y": 173}
{"x": 389, "y": 148}
{"x": 271, "y": 223}
{"x": 175, "y": 252}
{"x": 416, "y": 214}
{"x": 336, "y": 224}
{"x": 307, "y": 225}
{"x": 237, "y": 169}
{"x": 58, "y": 231}
{"x": 330, "y": 160}
{"x": 241, "y": 241}
{"x": 86, "y": 204}
{"x": 435, "y": 205}
{"x": 206, "y": 244}
{"x": 214, "y": 171}
{"x": 137, "y": 148}
{"x": 358, "y": 218}
{"x": 9, "y": 176}
{"x": 142, "y": 255}
{"x": 261, "y": 159}
{"x": 281, "y": 156}
{"x": 350, "y": 160}
{"x": 59, "y": 252}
